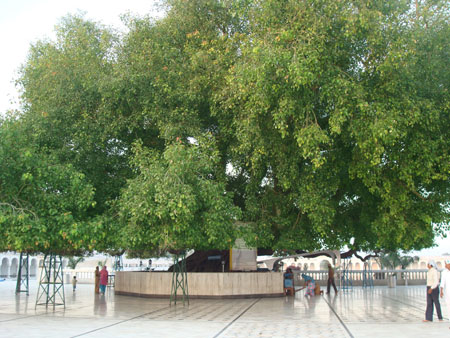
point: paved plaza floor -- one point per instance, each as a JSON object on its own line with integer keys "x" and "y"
{"x": 377, "y": 312}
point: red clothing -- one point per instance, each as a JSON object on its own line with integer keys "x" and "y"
{"x": 104, "y": 277}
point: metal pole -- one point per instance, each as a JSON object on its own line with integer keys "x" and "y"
{"x": 23, "y": 274}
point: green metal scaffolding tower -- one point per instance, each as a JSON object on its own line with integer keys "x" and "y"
{"x": 346, "y": 279}
{"x": 179, "y": 278}
{"x": 51, "y": 283}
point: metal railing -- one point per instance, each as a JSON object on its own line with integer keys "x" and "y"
{"x": 404, "y": 277}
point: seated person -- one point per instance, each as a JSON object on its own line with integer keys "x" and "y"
{"x": 317, "y": 290}
{"x": 288, "y": 282}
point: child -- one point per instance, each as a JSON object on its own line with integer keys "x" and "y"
{"x": 74, "y": 283}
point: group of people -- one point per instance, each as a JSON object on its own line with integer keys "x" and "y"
{"x": 311, "y": 287}
{"x": 437, "y": 287}
{"x": 101, "y": 280}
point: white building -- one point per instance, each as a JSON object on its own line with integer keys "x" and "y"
{"x": 10, "y": 264}
{"x": 85, "y": 271}
{"x": 321, "y": 263}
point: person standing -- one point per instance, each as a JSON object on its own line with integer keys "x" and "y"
{"x": 288, "y": 282}
{"x": 74, "y": 283}
{"x": 103, "y": 279}
{"x": 445, "y": 285}
{"x": 432, "y": 292}
{"x": 97, "y": 280}
{"x": 331, "y": 279}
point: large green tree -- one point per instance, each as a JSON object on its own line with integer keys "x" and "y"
{"x": 330, "y": 120}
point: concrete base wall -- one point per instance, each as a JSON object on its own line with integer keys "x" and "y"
{"x": 202, "y": 285}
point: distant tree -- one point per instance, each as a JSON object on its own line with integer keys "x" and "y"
{"x": 73, "y": 261}
{"x": 392, "y": 260}
{"x": 405, "y": 261}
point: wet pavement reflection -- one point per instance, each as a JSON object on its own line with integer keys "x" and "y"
{"x": 372, "y": 312}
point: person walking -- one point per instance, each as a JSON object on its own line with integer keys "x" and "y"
{"x": 445, "y": 285}
{"x": 97, "y": 279}
{"x": 432, "y": 292}
{"x": 331, "y": 279}
{"x": 103, "y": 279}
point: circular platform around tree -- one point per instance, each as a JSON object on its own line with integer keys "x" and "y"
{"x": 202, "y": 285}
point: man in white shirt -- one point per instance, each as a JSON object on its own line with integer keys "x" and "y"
{"x": 432, "y": 292}
{"x": 445, "y": 285}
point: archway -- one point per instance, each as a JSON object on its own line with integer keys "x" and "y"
{"x": 4, "y": 268}
{"x": 334, "y": 255}
{"x": 33, "y": 268}
{"x": 14, "y": 267}
{"x": 324, "y": 265}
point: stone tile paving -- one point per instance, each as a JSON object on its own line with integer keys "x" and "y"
{"x": 377, "y": 312}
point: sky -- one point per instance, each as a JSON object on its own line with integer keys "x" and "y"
{"x": 23, "y": 22}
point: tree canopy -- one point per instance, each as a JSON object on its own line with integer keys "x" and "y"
{"x": 320, "y": 120}
{"x": 176, "y": 202}
{"x": 329, "y": 107}
{"x": 43, "y": 203}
